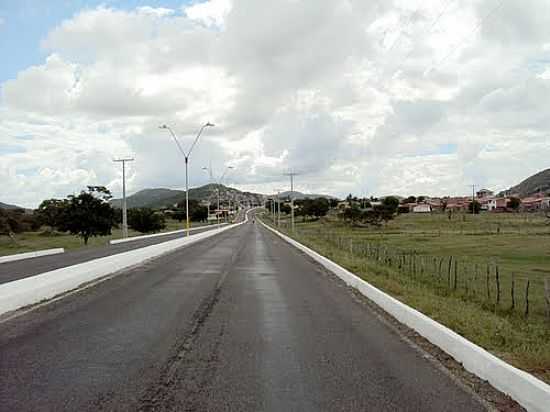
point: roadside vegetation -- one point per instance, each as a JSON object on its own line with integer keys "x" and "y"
{"x": 485, "y": 276}
{"x": 85, "y": 220}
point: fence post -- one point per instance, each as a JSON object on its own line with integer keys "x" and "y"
{"x": 512, "y": 291}
{"x": 497, "y": 278}
{"x": 527, "y": 299}
{"x": 487, "y": 283}
{"x": 547, "y": 296}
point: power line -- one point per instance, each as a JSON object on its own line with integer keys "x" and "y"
{"x": 443, "y": 11}
{"x": 409, "y": 21}
{"x": 476, "y": 28}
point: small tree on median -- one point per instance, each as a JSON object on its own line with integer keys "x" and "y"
{"x": 145, "y": 220}
{"x": 89, "y": 214}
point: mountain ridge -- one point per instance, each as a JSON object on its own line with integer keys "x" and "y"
{"x": 537, "y": 183}
{"x": 163, "y": 197}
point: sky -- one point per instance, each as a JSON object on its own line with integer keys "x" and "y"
{"x": 366, "y": 97}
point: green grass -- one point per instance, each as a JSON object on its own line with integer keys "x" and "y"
{"x": 32, "y": 241}
{"x": 516, "y": 243}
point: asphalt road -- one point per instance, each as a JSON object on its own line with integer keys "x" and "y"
{"x": 20, "y": 269}
{"x": 238, "y": 322}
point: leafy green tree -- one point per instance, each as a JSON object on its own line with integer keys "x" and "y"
{"x": 351, "y": 214}
{"x": 390, "y": 204}
{"x": 475, "y": 206}
{"x": 285, "y": 208}
{"x": 513, "y": 203}
{"x": 89, "y": 214}
{"x": 199, "y": 214}
{"x": 179, "y": 215}
{"x": 410, "y": 199}
{"x": 145, "y": 220}
{"x": 319, "y": 207}
{"x": 51, "y": 212}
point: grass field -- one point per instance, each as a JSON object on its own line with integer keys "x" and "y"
{"x": 31, "y": 241}
{"x": 448, "y": 270}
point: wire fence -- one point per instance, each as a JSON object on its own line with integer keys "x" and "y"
{"x": 483, "y": 282}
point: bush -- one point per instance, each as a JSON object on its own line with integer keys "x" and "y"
{"x": 145, "y": 220}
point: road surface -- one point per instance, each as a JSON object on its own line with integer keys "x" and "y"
{"x": 20, "y": 269}
{"x": 238, "y": 322}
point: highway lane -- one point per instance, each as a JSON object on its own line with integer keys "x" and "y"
{"x": 240, "y": 321}
{"x": 20, "y": 269}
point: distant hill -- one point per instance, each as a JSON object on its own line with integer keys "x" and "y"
{"x": 300, "y": 195}
{"x": 159, "y": 198}
{"x": 6, "y": 206}
{"x": 539, "y": 182}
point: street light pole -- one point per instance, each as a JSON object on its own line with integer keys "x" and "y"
{"x": 292, "y": 174}
{"x": 186, "y": 156}
{"x": 124, "y": 208}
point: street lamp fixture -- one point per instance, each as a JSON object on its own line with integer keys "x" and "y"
{"x": 186, "y": 156}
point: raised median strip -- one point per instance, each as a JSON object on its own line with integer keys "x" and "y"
{"x": 524, "y": 388}
{"x": 173, "y": 232}
{"x": 30, "y": 255}
{"x": 32, "y": 290}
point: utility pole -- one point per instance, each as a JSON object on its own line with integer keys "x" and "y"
{"x": 124, "y": 210}
{"x": 278, "y": 208}
{"x": 291, "y": 175}
{"x": 473, "y": 199}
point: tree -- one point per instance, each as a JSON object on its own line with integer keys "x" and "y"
{"x": 51, "y": 212}
{"x": 89, "y": 214}
{"x": 410, "y": 199}
{"x": 145, "y": 220}
{"x": 319, "y": 207}
{"x": 333, "y": 202}
{"x": 475, "y": 206}
{"x": 199, "y": 214}
{"x": 351, "y": 214}
{"x": 513, "y": 203}
{"x": 179, "y": 215}
{"x": 391, "y": 204}
{"x": 285, "y": 208}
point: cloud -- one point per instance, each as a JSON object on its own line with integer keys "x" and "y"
{"x": 211, "y": 13}
{"x": 359, "y": 96}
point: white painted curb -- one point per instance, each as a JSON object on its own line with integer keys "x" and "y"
{"x": 528, "y": 391}
{"x": 29, "y": 255}
{"x": 131, "y": 239}
{"x": 29, "y": 291}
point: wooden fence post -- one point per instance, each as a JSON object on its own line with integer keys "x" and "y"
{"x": 512, "y": 291}
{"x": 547, "y": 296}
{"x": 527, "y": 299}
{"x": 497, "y": 278}
{"x": 487, "y": 285}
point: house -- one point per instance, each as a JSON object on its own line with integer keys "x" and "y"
{"x": 435, "y": 203}
{"x": 484, "y": 193}
{"x": 489, "y": 204}
{"x": 422, "y": 208}
{"x": 458, "y": 203}
{"x": 535, "y": 203}
{"x": 500, "y": 204}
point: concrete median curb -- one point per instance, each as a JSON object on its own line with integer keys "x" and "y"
{"x": 133, "y": 238}
{"x": 528, "y": 391}
{"x": 32, "y": 290}
{"x": 30, "y": 255}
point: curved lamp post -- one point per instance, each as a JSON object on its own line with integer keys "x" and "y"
{"x": 186, "y": 156}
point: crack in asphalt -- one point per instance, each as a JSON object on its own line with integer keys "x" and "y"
{"x": 161, "y": 395}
